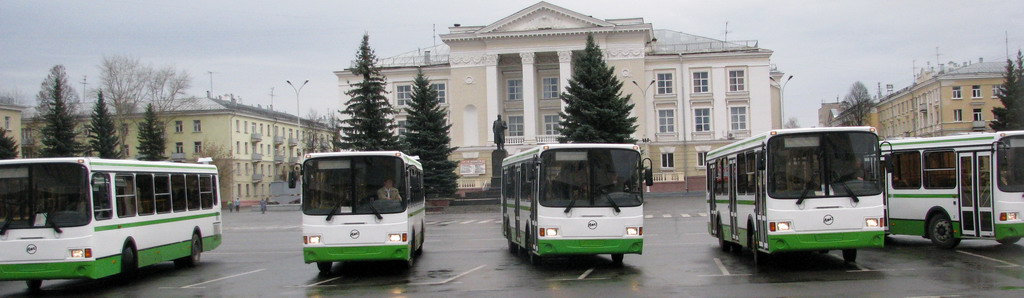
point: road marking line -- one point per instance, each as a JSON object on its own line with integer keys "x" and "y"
{"x": 193, "y": 286}
{"x": 725, "y": 272}
{"x": 585, "y": 273}
{"x": 666, "y": 215}
{"x": 446, "y": 222}
{"x": 684, "y": 215}
{"x": 432, "y": 222}
{"x": 323, "y": 282}
{"x": 702, "y": 214}
{"x": 715, "y": 275}
{"x": 1008, "y": 264}
{"x": 466, "y": 222}
{"x": 449, "y": 279}
{"x": 573, "y": 279}
{"x": 648, "y": 216}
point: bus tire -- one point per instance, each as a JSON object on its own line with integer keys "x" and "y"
{"x": 324, "y": 267}
{"x": 1008, "y": 240}
{"x": 422, "y": 238}
{"x": 535, "y": 259}
{"x": 722, "y": 244}
{"x": 34, "y": 285}
{"x": 196, "y": 247}
{"x": 412, "y": 252}
{"x": 760, "y": 258}
{"x": 850, "y": 255}
{"x": 940, "y": 230}
{"x": 513, "y": 248}
{"x": 617, "y": 259}
{"x": 129, "y": 262}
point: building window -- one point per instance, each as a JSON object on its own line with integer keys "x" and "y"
{"x": 179, "y": 126}
{"x": 958, "y": 115}
{"x": 976, "y": 91}
{"x": 442, "y": 92}
{"x": 702, "y": 119}
{"x": 550, "y": 87}
{"x": 701, "y": 156}
{"x": 515, "y": 89}
{"x": 956, "y": 92}
{"x": 245, "y": 127}
{"x": 403, "y": 94}
{"x": 737, "y": 81}
{"x": 238, "y": 128}
{"x": 179, "y": 147}
{"x": 665, "y": 83}
{"x": 668, "y": 160}
{"x": 551, "y": 125}
{"x": 198, "y": 147}
{"x": 238, "y": 147}
{"x": 977, "y": 115}
{"x": 402, "y": 127}
{"x": 515, "y": 126}
{"x": 995, "y": 91}
{"x": 666, "y": 121}
{"x": 700, "y": 82}
{"x": 738, "y": 118}
{"x": 197, "y": 125}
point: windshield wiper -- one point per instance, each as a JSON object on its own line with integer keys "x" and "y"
{"x": 53, "y": 225}
{"x": 331, "y": 214}
{"x": 803, "y": 195}
{"x": 847, "y": 189}
{"x": 569, "y": 207}
{"x": 7, "y": 224}
{"x": 374, "y": 209}
{"x": 611, "y": 201}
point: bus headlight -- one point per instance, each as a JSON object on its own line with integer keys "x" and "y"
{"x": 634, "y": 231}
{"x": 780, "y": 226}
{"x": 311, "y": 239}
{"x": 1005, "y": 216}
{"x": 548, "y": 232}
{"x": 397, "y": 237}
{"x": 871, "y": 222}
{"x": 79, "y": 253}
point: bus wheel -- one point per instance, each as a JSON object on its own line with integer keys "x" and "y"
{"x": 617, "y": 259}
{"x": 760, "y": 258}
{"x": 850, "y": 255}
{"x": 412, "y": 252}
{"x": 129, "y": 262}
{"x": 324, "y": 267}
{"x": 513, "y": 248}
{"x": 423, "y": 239}
{"x": 34, "y": 285}
{"x": 535, "y": 259}
{"x": 724, "y": 246}
{"x": 192, "y": 259}
{"x": 1008, "y": 240}
{"x": 940, "y": 228}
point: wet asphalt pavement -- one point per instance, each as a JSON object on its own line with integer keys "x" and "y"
{"x": 466, "y": 256}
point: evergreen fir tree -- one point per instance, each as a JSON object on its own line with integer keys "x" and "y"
{"x": 368, "y": 126}
{"x": 8, "y": 147}
{"x": 427, "y": 137}
{"x": 1011, "y": 94}
{"x": 103, "y": 138}
{"x": 151, "y": 137}
{"x": 595, "y": 110}
{"x": 56, "y": 107}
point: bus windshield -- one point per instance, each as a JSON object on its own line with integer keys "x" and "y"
{"x": 590, "y": 178}
{"x": 817, "y": 165}
{"x": 353, "y": 185}
{"x": 43, "y": 196}
{"x": 1011, "y": 164}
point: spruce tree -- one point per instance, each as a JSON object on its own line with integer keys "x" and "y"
{"x": 103, "y": 138}
{"x": 369, "y": 125}
{"x": 1011, "y": 94}
{"x": 151, "y": 136}
{"x": 595, "y": 110}
{"x": 56, "y": 107}
{"x": 8, "y": 147}
{"x": 427, "y": 137}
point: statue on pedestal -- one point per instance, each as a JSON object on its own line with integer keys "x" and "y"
{"x": 499, "y": 128}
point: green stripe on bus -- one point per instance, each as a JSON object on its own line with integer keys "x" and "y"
{"x": 589, "y": 246}
{"x": 722, "y": 201}
{"x": 713, "y": 153}
{"x": 418, "y": 211}
{"x": 821, "y": 241}
{"x": 152, "y": 222}
{"x": 745, "y": 202}
{"x": 945, "y": 141}
{"x": 149, "y": 166}
{"x": 929, "y": 196}
{"x": 355, "y": 253}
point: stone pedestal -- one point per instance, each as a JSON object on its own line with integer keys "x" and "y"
{"x": 497, "y": 156}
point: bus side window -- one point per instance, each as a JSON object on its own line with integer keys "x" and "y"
{"x": 906, "y": 170}
{"x": 418, "y": 190}
{"x": 192, "y": 191}
{"x": 741, "y": 175}
{"x": 124, "y": 191}
{"x": 162, "y": 187}
{"x": 144, "y": 188}
{"x": 101, "y": 196}
{"x": 178, "y": 192}
{"x": 206, "y": 191}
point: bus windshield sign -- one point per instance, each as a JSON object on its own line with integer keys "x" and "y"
{"x": 590, "y": 178}
{"x": 353, "y": 185}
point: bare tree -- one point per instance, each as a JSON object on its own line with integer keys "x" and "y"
{"x": 225, "y": 168}
{"x": 791, "y": 123}
{"x": 166, "y": 89}
{"x": 129, "y": 84}
{"x": 856, "y": 106}
{"x": 315, "y": 140}
{"x": 11, "y": 97}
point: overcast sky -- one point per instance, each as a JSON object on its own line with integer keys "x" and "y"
{"x": 253, "y": 46}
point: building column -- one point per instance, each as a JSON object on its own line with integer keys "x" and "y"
{"x": 564, "y": 73}
{"x": 491, "y": 63}
{"x": 529, "y": 98}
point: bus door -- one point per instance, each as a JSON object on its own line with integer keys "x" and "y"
{"x": 976, "y": 193}
{"x": 760, "y": 219}
{"x": 712, "y": 176}
{"x": 516, "y": 195}
{"x": 730, "y": 185}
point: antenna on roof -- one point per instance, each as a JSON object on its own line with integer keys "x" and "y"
{"x": 433, "y": 27}
{"x": 271, "y": 98}
{"x": 726, "y": 39}
{"x": 83, "y": 87}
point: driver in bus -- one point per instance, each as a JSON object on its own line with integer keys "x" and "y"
{"x": 388, "y": 192}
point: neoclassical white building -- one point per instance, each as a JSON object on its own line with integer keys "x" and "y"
{"x": 691, "y": 93}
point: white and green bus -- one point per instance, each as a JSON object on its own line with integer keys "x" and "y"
{"x": 573, "y": 199}
{"x": 957, "y": 187}
{"x": 361, "y": 206}
{"x": 88, "y": 218}
{"x": 814, "y": 189}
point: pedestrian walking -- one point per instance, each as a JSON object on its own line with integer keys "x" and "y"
{"x": 263, "y": 205}
{"x": 231, "y": 206}
{"x": 238, "y": 205}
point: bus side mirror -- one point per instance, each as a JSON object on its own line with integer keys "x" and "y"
{"x": 291, "y": 179}
{"x": 887, "y": 163}
{"x": 648, "y": 177}
{"x": 760, "y": 163}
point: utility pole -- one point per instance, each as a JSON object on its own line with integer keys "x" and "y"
{"x": 84, "y": 83}
{"x": 271, "y": 98}
{"x": 211, "y": 81}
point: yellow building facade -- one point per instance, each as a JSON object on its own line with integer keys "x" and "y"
{"x": 10, "y": 114}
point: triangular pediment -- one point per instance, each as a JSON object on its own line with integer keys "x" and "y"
{"x": 544, "y": 16}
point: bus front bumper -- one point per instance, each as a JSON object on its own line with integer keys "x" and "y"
{"x": 590, "y": 246}
{"x": 355, "y": 253}
{"x": 62, "y": 270}
{"x": 1009, "y": 230}
{"x": 825, "y": 241}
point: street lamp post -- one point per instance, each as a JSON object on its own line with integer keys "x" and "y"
{"x": 782, "y": 99}
{"x": 298, "y": 118}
